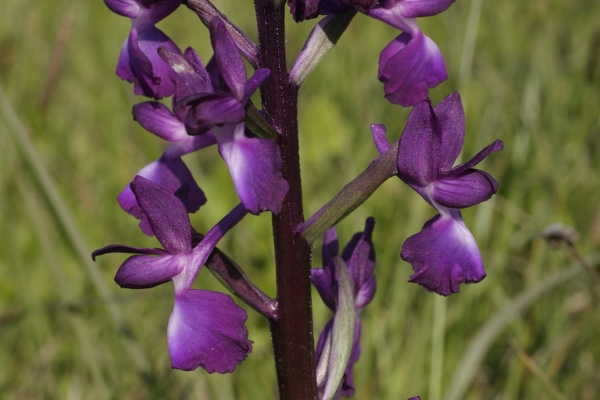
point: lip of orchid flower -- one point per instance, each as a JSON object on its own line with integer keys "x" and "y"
{"x": 206, "y": 328}
{"x": 444, "y": 254}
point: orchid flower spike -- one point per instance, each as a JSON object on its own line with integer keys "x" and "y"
{"x": 359, "y": 257}
{"x": 206, "y": 328}
{"x": 444, "y": 254}
{"x": 139, "y": 62}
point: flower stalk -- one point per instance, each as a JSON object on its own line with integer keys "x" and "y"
{"x": 292, "y": 335}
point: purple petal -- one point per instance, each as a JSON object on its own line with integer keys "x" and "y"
{"x": 366, "y": 292}
{"x": 322, "y": 340}
{"x": 464, "y": 190}
{"x": 444, "y": 255}
{"x": 359, "y": 255}
{"x": 121, "y": 248}
{"x": 216, "y": 109}
{"x": 330, "y": 247}
{"x": 192, "y": 77}
{"x": 206, "y": 329}
{"x": 254, "y": 82}
{"x": 379, "y": 138}
{"x": 229, "y": 60}
{"x": 415, "y": 398}
{"x": 189, "y": 144}
{"x": 423, "y": 8}
{"x": 141, "y": 272}
{"x": 140, "y": 63}
{"x": 479, "y": 157}
{"x": 409, "y": 66}
{"x": 255, "y": 167}
{"x": 126, "y": 8}
{"x": 419, "y": 148}
{"x": 154, "y": 11}
{"x": 322, "y": 280}
{"x": 451, "y": 126}
{"x": 166, "y": 214}
{"x": 173, "y": 176}
{"x": 304, "y": 9}
{"x": 156, "y": 118}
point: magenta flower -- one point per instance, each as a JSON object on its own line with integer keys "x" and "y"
{"x": 254, "y": 163}
{"x": 206, "y": 328}
{"x": 444, "y": 254}
{"x": 411, "y": 63}
{"x": 359, "y": 256}
{"x": 139, "y": 62}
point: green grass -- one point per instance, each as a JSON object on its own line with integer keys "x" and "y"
{"x": 528, "y": 73}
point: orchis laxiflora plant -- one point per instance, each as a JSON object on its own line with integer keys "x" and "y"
{"x": 211, "y": 105}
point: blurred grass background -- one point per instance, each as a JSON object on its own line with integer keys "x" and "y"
{"x": 528, "y": 73}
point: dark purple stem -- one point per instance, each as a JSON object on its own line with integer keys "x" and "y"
{"x": 292, "y": 332}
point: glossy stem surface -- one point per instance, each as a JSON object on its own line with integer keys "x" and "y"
{"x": 292, "y": 333}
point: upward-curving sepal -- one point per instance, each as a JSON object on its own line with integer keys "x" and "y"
{"x": 206, "y": 329}
{"x": 229, "y": 60}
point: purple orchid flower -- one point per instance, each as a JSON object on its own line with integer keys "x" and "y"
{"x": 254, "y": 163}
{"x": 206, "y": 328}
{"x": 444, "y": 254}
{"x": 139, "y": 62}
{"x": 411, "y": 63}
{"x": 359, "y": 256}
{"x": 169, "y": 171}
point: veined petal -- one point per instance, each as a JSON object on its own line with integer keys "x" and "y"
{"x": 464, "y": 190}
{"x": 192, "y": 77}
{"x": 229, "y": 60}
{"x": 173, "y": 176}
{"x": 189, "y": 144}
{"x": 444, "y": 255}
{"x": 255, "y": 167}
{"x": 359, "y": 255}
{"x": 479, "y": 157}
{"x": 409, "y": 66}
{"x": 126, "y": 8}
{"x": 206, "y": 329}
{"x": 419, "y": 147}
{"x": 166, "y": 214}
{"x": 141, "y": 272}
{"x": 140, "y": 63}
{"x": 211, "y": 110}
{"x": 451, "y": 124}
{"x": 423, "y": 8}
{"x": 156, "y": 118}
